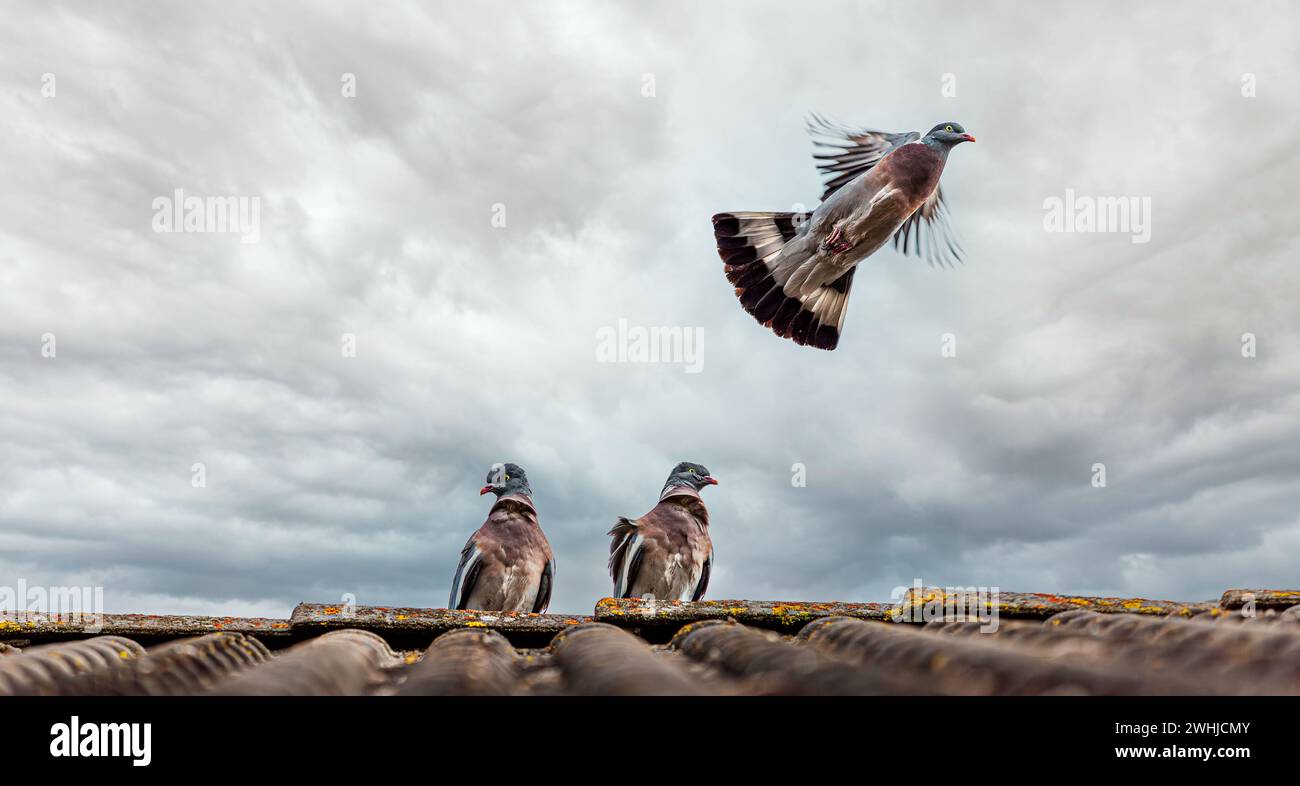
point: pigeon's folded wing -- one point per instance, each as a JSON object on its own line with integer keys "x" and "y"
{"x": 467, "y": 573}
{"x": 543, "y": 600}
{"x": 848, "y": 152}
{"x": 625, "y": 555}
{"x": 702, "y": 585}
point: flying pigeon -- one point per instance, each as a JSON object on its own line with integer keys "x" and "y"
{"x": 666, "y": 554}
{"x": 507, "y": 565}
{"x": 793, "y": 271}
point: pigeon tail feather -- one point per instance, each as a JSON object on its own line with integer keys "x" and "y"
{"x": 760, "y": 259}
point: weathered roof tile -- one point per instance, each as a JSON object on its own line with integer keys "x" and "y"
{"x": 773, "y": 665}
{"x": 918, "y": 606}
{"x": 51, "y": 627}
{"x": 652, "y": 617}
{"x": 602, "y": 660}
{"x": 339, "y": 663}
{"x": 974, "y": 665}
{"x": 468, "y": 662}
{"x": 1261, "y": 598}
{"x": 177, "y": 668}
{"x": 47, "y": 669}
{"x": 523, "y": 629}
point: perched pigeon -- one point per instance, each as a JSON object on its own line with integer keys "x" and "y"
{"x": 793, "y": 271}
{"x": 507, "y": 565}
{"x": 666, "y": 554}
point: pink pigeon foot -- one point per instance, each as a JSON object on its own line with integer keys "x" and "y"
{"x": 836, "y": 243}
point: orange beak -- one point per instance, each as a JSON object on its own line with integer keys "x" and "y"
{"x": 484, "y": 490}
{"x": 968, "y": 137}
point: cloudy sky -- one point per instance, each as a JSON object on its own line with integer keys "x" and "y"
{"x": 605, "y": 134}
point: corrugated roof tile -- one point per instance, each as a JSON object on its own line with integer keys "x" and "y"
{"x": 600, "y": 659}
{"x": 47, "y": 669}
{"x": 178, "y": 668}
{"x": 463, "y": 663}
{"x": 773, "y": 665}
{"x": 1247, "y": 643}
{"x": 974, "y": 665}
{"x": 338, "y": 663}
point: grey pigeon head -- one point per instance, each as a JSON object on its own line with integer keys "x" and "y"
{"x": 947, "y": 135}
{"x": 691, "y": 475}
{"x": 505, "y": 479}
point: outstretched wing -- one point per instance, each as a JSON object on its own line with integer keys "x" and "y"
{"x": 462, "y": 584}
{"x": 848, "y": 152}
{"x": 703, "y": 584}
{"x": 928, "y": 233}
{"x": 624, "y": 556}
{"x": 544, "y": 589}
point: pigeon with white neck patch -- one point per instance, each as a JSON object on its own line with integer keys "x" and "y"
{"x": 666, "y": 554}
{"x": 507, "y": 565}
{"x": 792, "y": 271}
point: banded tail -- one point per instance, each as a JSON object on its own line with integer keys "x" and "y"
{"x": 753, "y": 246}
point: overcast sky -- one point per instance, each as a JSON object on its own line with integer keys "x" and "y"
{"x": 610, "y": 132}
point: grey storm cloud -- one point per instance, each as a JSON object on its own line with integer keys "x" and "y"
{"x": 476, "y": 343}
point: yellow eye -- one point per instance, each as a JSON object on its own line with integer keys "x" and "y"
{"x": 692, "y": 471}
{"x": 507, "y": 477}
{"x": 949, "y": 128}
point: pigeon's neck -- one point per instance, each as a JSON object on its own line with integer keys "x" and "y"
{"x": 675, "y": 487}
{"x": 937, "y": 146}
{"x": 515, "y": 498}
{"x": 689, "y": 498}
